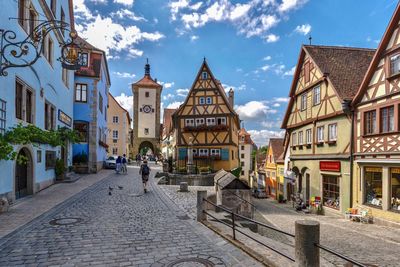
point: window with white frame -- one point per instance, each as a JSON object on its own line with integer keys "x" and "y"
{"x": 2, "y": 116}
{"x": 199, "y": 121}
{"x": 115, "y": 119}
{"x": 215, "y": 152}
{"x": 395, "y": 64}
{"x": 294, "y": 139}
{"x": 115, "y": 134}
{"x": 308, "y": 136}
{"x": 202, "y": 100}
{"x": 320, "y": 134}
{"x": 189, "y": 122}
{"x": 221, "y": 121}
{"x": 304, "y": 101}
{"x": 115, "y": 151}
{"x": 316, "y": 95}
{"x": 80, "y": 92}
{"x": 194, "y": 150}
{"x": 203, "y": 152}
{"x": 210, "y": 121}
{"x": 209, "y": 100}
{"x": 301, "y": 138}
{"x": 332, "y": 132}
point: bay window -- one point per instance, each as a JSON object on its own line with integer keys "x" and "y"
{"x": 395, "y": 64}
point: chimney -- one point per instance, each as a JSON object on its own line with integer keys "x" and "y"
{"x": 231, "y": 97}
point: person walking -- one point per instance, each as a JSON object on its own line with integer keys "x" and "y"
{"x": 145, "y": 172}
{"x": 138, "y": 159}
{"x": 118, "y": 162}
{"x": 124, "y": 164}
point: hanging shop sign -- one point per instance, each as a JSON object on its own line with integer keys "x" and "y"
{"x": 64, "y": 118}
{"x": 331, "y": 166}
{"x": 373, "y": 169}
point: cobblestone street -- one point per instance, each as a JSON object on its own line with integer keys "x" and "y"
{"x": 128, "y": 228}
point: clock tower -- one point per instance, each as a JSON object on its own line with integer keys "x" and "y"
{"x": 146, "y": 113}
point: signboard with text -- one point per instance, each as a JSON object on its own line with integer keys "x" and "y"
{"x": 332, "y": 166}
{"x": 64, "y": 118}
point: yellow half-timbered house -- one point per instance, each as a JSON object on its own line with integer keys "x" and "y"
{"x": 207, "y": 124}
{"x": 377, "y": 130}
{"x": 317, "y": 122}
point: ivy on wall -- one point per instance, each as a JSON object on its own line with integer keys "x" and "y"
{"x": 32, "y": 135}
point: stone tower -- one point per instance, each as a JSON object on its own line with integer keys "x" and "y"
{"x": 146, "y": 113}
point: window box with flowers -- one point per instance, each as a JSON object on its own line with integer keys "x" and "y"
{"x": 103, "y": 144}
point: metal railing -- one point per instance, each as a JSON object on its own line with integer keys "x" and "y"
{"x": 235, "y": 229}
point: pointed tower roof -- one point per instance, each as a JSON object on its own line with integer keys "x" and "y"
{"x": 147, "y": 81}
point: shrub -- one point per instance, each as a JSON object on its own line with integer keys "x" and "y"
{"x": 80, "y": 158}
{"x": 60, "y": 168}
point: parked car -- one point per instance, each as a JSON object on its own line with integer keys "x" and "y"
{"x": 260, "y": 193}
{"x": 111, "y": 162}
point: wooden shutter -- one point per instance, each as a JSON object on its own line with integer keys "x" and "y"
{"x": 182, "y": 152}
{"x": 224, "y": 154}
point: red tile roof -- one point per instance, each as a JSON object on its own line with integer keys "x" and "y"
{"x": 277, "y": 147}
{"x": 167, "y": 120}
{"x": 147, "y": 81}
{"x": 247, "y": 137}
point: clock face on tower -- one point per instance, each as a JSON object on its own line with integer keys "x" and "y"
{"x": 146, "y": 108}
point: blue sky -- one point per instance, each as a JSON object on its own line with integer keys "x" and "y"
{"x": 250, "y": 45}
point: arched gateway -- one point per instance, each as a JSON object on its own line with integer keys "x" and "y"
{"x": 23, "y": 182}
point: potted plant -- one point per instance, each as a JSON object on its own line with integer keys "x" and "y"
{"x": 60, "y": 169}
{"x": 80, "y": 162}
{"x": 280, "y": 198}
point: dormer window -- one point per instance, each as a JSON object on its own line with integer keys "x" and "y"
{"x": 204, "y": 75}
{"x": 395, "y": 64}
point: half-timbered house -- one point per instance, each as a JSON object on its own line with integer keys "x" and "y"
{"x": 377, "y": 129}
{"x": 273, "y": 185}
{"x": 207, "y": 124}
{"x": 317, "y": 126}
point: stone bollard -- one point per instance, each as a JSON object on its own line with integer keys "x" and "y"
{"x": 201, "y": 206}
{"x": 306, "y": 235}
{"x": 183, "y": 187}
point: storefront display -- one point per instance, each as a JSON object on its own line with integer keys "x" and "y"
{"x": 395, "y": 187}
{"x": 331, "y": 191}
{"x": 373, "y": 186}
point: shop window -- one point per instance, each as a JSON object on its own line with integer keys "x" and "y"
{"x": 304, "y": 101}
{"x": 370, "y": 122}
{"x": 387, "y": 119}
{"x": 82, "y": 130}
{"x": 2, "y": 116}
{"x": 373, "y": 186}
{"x": 202, "y": 100}
{"x": 80, "y": 92}
{"x": 395, "y": 64}
{"x": 50, "y": 159}
{"x": 331, "y": 191}
{"x": 316, "y": 95}
{"x": 320, "y": 134}
{"x": 332, "y": 132}
{"x": 308, "y": 136}
{"x": 395, "y": 188}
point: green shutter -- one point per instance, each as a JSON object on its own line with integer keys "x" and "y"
{"x": 224, "y": 154}
{"x": 182, "y": 153}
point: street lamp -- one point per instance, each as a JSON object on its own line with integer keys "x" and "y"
{"x": 18, "y": 54}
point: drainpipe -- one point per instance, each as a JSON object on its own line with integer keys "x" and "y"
{"x": 351, "y": 156}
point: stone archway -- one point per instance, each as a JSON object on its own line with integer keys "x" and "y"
{"x": 23, "y": 182}
{"x": 145, "y": 146}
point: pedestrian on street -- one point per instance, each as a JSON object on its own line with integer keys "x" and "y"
{"x": 118, "y": 162}
{"x": 138, "y": 159}
{"x": 145, "y": 172}
{"x": 124, "y": 164}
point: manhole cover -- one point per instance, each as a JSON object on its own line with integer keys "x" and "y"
{"x": 65, "y": 221}
{"x": 183, "y": 217}
{"x": 192, "y": 262}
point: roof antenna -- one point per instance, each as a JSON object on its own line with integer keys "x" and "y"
{"x": 310, "y": 39}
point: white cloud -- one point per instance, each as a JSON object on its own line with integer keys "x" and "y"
{"x": 196, "y": 6}
{"x": 303, "y": 29}
{"x": 281, "y": 99}
{"x": 108, "y": 35}
{"x": 168, "y": 96}
{"x": 261, "y": 137}
{"x": 267, "y": 58}
{"x": 272, "y": 38}
{"x": 124, "y": 74}
{"x": 176, "y": 5}
{"x": 175, "y": 104}
{"x": 239, "y": 11}
{"x": 124, "y": 2}
{"x": 288, "y": 5}
{"x": 265, "y": 67}
{"x": 227, "y": 87}
{"x": 126, "y": 102}
{"x": 167, "y": 84}
{"x": 125, "y": 13}
{"x": 182, "y": 92}
{"x": 194, "y": 38}
{"x": 290, "y": 72}
{"x": 254, "y": 110}
{"x": 276, "y": 105}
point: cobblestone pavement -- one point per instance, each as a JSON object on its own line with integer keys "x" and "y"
{"x": 128, "y": 228}
{"x": 368, "y": 243}
{"x": 26, "y": 209}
